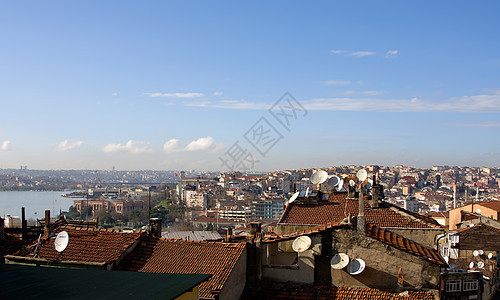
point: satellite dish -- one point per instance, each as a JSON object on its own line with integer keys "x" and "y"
{"x": 319, "y": 177}
{"x": 333, "y": 181}
{"x": 352, "y": 182}
{"x": 301, "y": 244}
{"x": 61, "y": 241}
{"x": 475, "y": 253}
{"x": 446, "y": 259}
{"x": 490, "y": 255}
{"x": 339, "y": 261}
{"x": 362, "y": 175}
{"x": 356, "y": 266}
{"x": 480, "y": 264}
{"x": 307, "y": 192}
{"x": 369, "y": 184}
{"x": 471, "y": 265}
{"x": 481, "y": 252}
{"x": 340, "y": 186}
{"x": 294, "y": 196}
{"x": 478, "y": 210}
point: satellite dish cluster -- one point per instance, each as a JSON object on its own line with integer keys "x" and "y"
{"x": 481, "y": 260}
{"x": 353, "y": 267}
{"x": 323, "y": 184}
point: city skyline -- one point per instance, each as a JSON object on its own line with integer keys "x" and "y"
{"x": 171, "y": 86}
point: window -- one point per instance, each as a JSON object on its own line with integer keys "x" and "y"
{"x": 453, "y": 286}
{"x": 470, "y": 285}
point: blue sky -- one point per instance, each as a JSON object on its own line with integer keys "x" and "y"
{"x": 177, "y": 85}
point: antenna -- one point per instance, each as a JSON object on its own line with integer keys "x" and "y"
{"x": 61, "y": 241}
{"x": 301, "y": 244}
{"x": 319, "y": 177}
{"x": 339, "y": 261}
{"x": 356, "y": 266}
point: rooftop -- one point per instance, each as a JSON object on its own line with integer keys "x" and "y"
{"x": 339, "y": 207}
{"x": 177, "y": 256}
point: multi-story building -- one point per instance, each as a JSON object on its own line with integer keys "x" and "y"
{"x": 269, "y": 208}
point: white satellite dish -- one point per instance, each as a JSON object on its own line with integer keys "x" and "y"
{"x": 480, "y": 264}
{"x": 339, "y": 261}
{"x": 301, "y": 244}
{"x": 471, "y": 265}
{"x": 333, "y": 181}
{"x": 355, "y": 266}
{"x": 294, "y": 196}
{"x": 307, "y": 192}
{"x": 362, "y": 175}
{"x": 446, "y": 259}
{"x": 490, "y": 255}
{"x": 340, "y": 186}
{"x": 481, "y": 252}
{"x": 319, "y": 177}
{"x": 478, "y": 210}
{"x": 475, "y": 253}
{"x": 61, "y": 241}
{"x": 352, "y": 182}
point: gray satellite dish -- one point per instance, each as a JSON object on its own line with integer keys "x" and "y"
{"x": 319, "y": 177}
{"x": 61, "y": 241}
{"x": 480, "y": 264}
{"x": 369, "y": 184}
{"x": 362, "y": 175}
{"x": 333, "y": 181}
{"x": 356, "y": 266}
{"x": 294, "y": 196}
{"x": 339, "y": 261}
{"x": 301, "y": 244}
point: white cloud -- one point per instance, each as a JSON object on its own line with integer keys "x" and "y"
{"x": 174, "y": 95}
{"x": 171, "y": 145}
{"x": 132, "y": 147}
{"x": 218, "y": 94}
{"x": 337, "y": 82}
{"x": 114, "y": 94}
{"x": 392, "y": 53}
{"x": 5, "y": 145}
{"x": 336, "y": 51}
{"x": 362, "y": 53}
{"x": 477, "y": 103}
{"x": 67, "y": 145}
{"x": 488, "y": 124}
{"x": 201, "y": 144}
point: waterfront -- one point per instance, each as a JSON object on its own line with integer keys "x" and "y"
{"x": 35, "y": 202}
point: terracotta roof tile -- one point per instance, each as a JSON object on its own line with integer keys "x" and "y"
{"x": 334, "y": 293}
{"x": 87, "y": 246}
{"x": 187, "y": 257}
{"x": 338, "y": 207}
{"x": 404, "y": 244}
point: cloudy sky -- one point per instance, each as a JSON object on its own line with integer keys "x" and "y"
{"x": 214, "y": 85}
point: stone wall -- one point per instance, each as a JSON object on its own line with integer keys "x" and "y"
{"x": 382, "y": 264}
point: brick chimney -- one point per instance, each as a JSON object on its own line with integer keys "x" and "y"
{"x": 154, "y": 227}
{"x": 47, "y": 229}
{"x": 361, "y": 222}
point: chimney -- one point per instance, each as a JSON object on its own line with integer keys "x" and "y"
{"x": 351, "y": 189}
{"x": 46, "y": 229}
{"x": 154, "y": 227}
{"x": 2, "y": 234}
{"x": 24, "y": 225}
{"x": 361, "y": 213}
{"x": 229, "y": 234}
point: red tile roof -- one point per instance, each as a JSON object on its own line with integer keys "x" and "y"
{"x": 87, "y": 245}
{"x": 404, "y": 244}
{"x": 478, "y": 227}
{"x": 333, "y": 293}
{"x": 338, "y": 207}
{"x": 495, "y": 205}
{"x": 187, "y": 257}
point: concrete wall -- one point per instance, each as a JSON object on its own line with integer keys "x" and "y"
{"x": 302, "y": 271}
{"x": 382, "y": 264}
{"x": 455, "y": 215}
{"x": 235, "y": 284}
